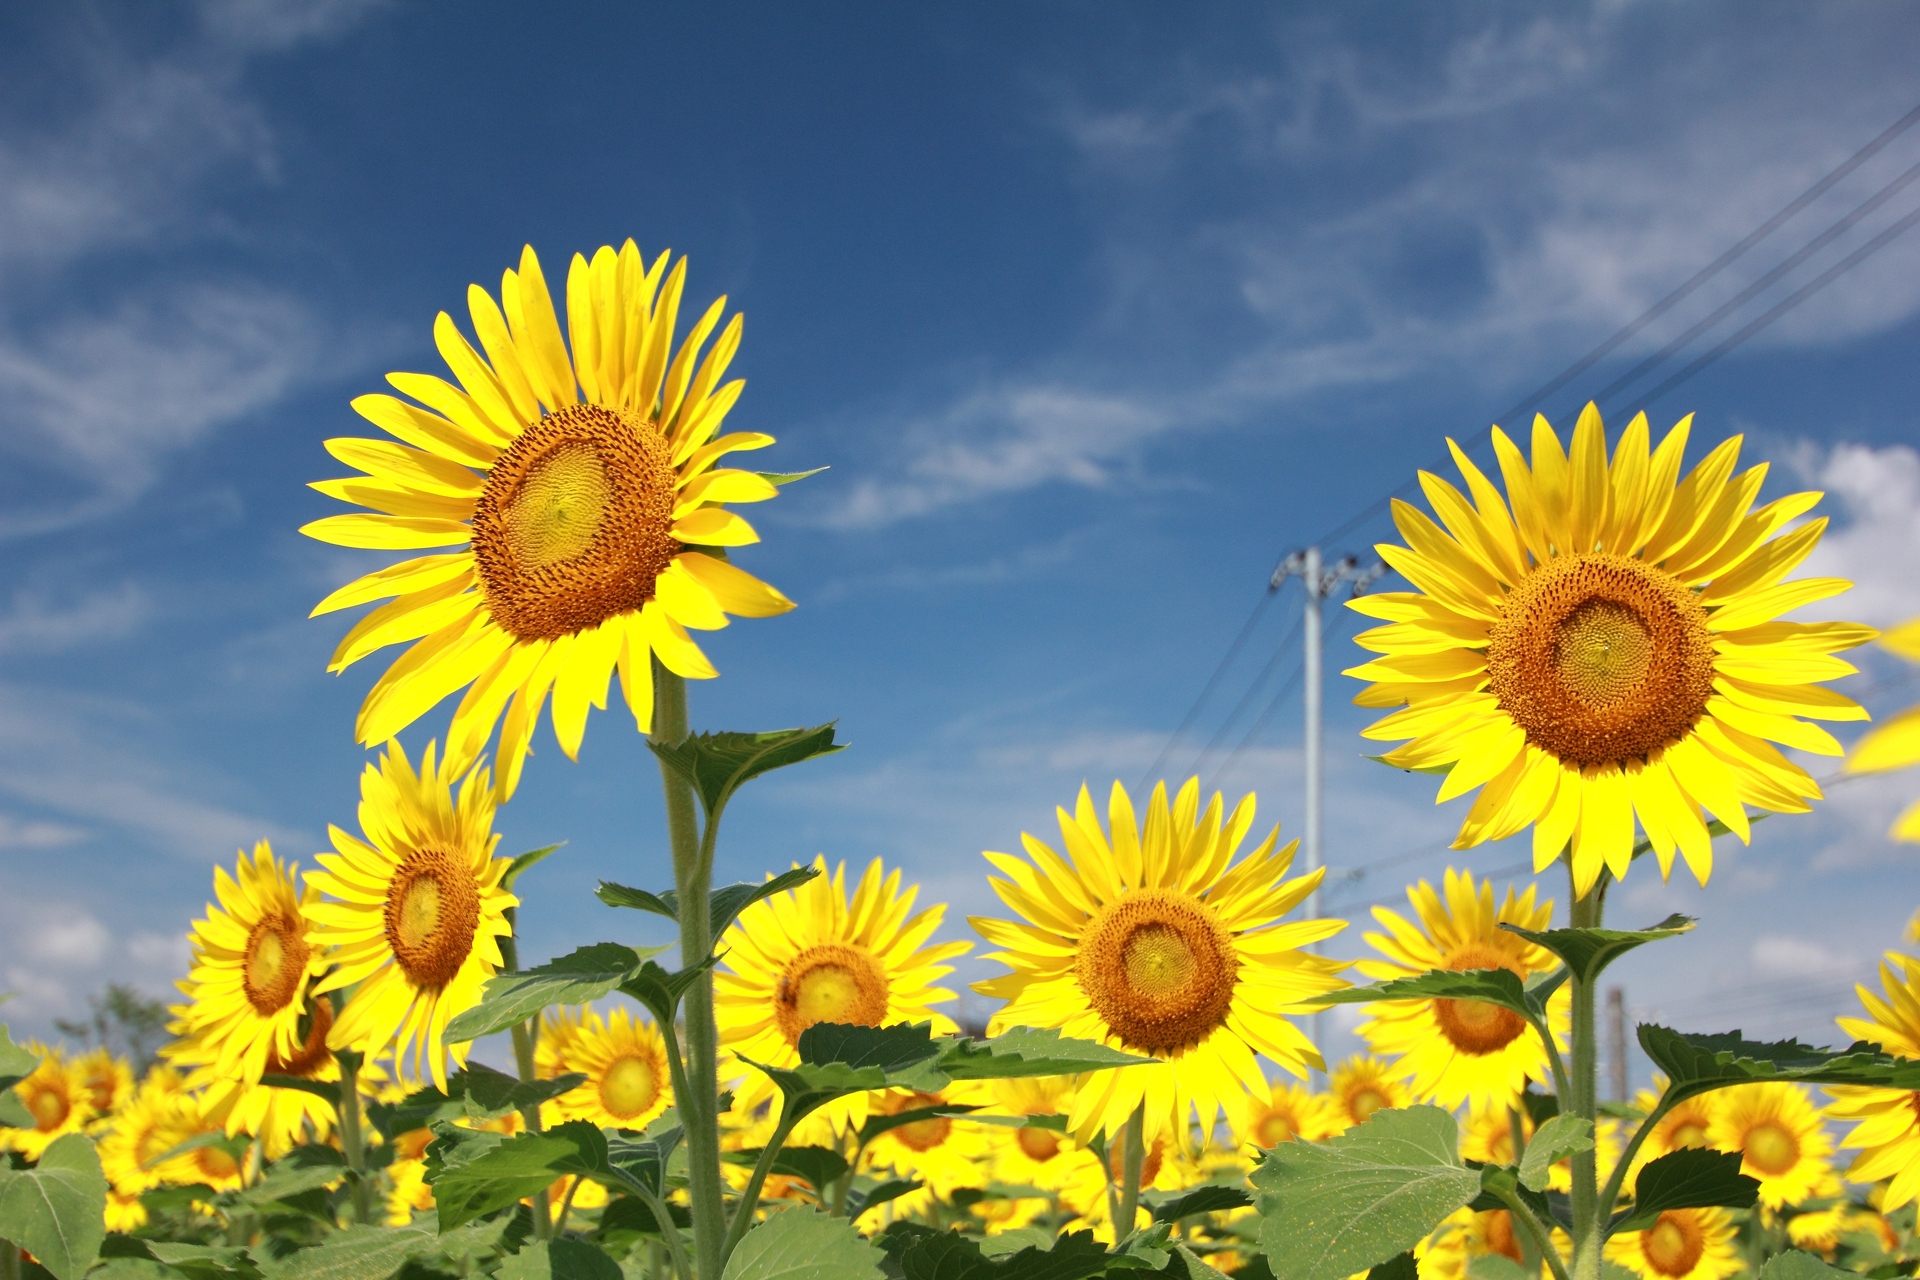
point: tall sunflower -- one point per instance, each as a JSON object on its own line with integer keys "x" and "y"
{"x": 57, "y": 1098}
{"x": 1457, "y": 1051}
{"x": 419, "y": 909}
{"x": 1608, "y": 650}
{"x": 1156, "y": 942}
{"x": 1683, "y": 1244}
{"x": 625, "y": 1062}
{"x": 1361, "y": 1086}
{"x": 1895, "y": 744}
{"x": 584, "y": 490}
{"x": 1888, "y": 1132}
{"x": 1781, "y": 1138}
{"x": 811, "y": 955}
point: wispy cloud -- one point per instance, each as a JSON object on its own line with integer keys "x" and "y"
{"x": 37, "y": 623}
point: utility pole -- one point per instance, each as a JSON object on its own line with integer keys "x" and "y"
{"x": 1319, "y": 583}
{"x": 1617, "y": 1042}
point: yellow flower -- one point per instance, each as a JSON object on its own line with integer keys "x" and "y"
{"x": 1820, "y": 1230}
{"x": 160, "y": 1117}
{"x": 419, "y": 911}
{"x": 1684, "y": 1244}
{"x": 1779, "y": 1133}
{"x": 1609, "y": 650}
{"x": 1456, "y": 1051}
{"x": 125, "y": 1213}
{"x": 1445, "y": 1254}
{"x": 1361, "y": 1086}
{"x": 107, "y": 1082}
{"x": 1690, "y": 1124}
{"x": 1895, "y": 744}
{"x": 558, "y": 1028}
{"x": 1031, "y": 1156}
{"x": 57, "y": 1098}
{"x": 1888, "y": 1131}
{"x": 943, "y": 1152}
{"x": 1289, "y": 1112}
{"x": 584, "y": 493}
{"x": 810, "y": 955}
{"x": 1156, "y": 942}
{"x": 625, "y": 1062}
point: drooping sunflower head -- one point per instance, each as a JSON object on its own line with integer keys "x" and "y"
{"x": 280, "y": 1117}
{"x": 1289, "y": 1113}
{"x": 1601, "y": 647}
{"x": 418, "y": 909}
{"x": 585, "y": 489}
{"x": 625, "y": 1062}
{"x": 1781, "y": 1138}
{"x": 249, "y": 999}
{"x": 1361, "y": 1086}
{"x": 814, "y": 954}
{"x": 1151, "y": 938}
{"x": 1887, "y": 1131}
{"x": 1683, "y": 1244}
{"x": 1455, "y": 1051}
{"x": 55, "y": 1095}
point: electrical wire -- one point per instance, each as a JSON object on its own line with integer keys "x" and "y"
{"x": 1193, "y": 712}
{"x": 1246, "y": 698}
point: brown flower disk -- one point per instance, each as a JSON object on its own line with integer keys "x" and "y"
{"x": 1159, "y": 968}
{"x": 432, "y": 912}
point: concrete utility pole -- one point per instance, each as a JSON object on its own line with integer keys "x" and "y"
{"x": 1617, "y": 1042}
{"x": 1319, "y": 583}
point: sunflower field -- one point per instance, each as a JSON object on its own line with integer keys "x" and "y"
{"x": 1594, "y": 646}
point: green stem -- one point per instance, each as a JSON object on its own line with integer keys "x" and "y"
{"x": 352, "y": 1143}
{"x": 750, "y": 1198}
{"x": 1133, "y": 1158}
{"x": 1610, "y": 1194}
{"x": 1530, "y": 1254}
{"x": 663, "y": 1219}
{"x": 693, "y": 881}
{"x": 566, "y": 1207}
{"x": 1582, "y": 1100}
{"x": 1534, "y": 1233}
{"x": 525, "y": 1035}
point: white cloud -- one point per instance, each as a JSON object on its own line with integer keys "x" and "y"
{"x": 34, "y": 833}
{"x": 1790, "y": 957}
{"x": 72, "y": 939}
{"x": 1876, "y": 539}
{"x": 34, "y": 624}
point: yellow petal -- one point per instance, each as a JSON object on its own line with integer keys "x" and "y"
{"x": 1903, "y": 640}
{"x": 669, "y": 640}
{"x": 737, "y": 591}
{"x": 1588, "y": 493}
{"x": 537, "y": 328}
{"x": 687, "y": 600}
{"x": 1769, "y": 603}
{"x": 413, "y": 468}
{"x": 1529, "y": 507}
{"x": 398, "y": 579}
{"x": 582, "y": 681}
{"x": 1893, "y": 745}
{"x": 497, "y": 341}
{"x": 387, "y": 533}
{"x": 1629, "y": 482}
{"x": 428, "y": 431}
{"x": 714, "y": 527}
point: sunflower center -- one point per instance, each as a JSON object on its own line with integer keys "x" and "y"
{"x": 1690, "y": 1132}
{"x": 1601, "y": 659}
{"x": 919, "y": 1135}
{"x": 829, "y": 983}
{"x": 1274, "y": 1128}
{"x": 574, "y": 523}
{"x": 1159, "y": 968}
{"x": 1364, "y": 1102}
{"x": 312, "y": 1053}
{"x": 50, "y": 1108}
{"x": 100, "y": 1090}
{"x": 276, "y": 960}
{"x": 1038, "y": 1145}
{"x": 629, "y": 1087}
{"x": 1477, "y": 1026}
{"x": 215, "y": 1163}
{"x": 1674, "y": 1244}
{"x": 1771, "y": 1149}
{"x": 432, "y": 913}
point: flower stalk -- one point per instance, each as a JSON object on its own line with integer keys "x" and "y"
{"x": 352, "y": 1142}
{"x": 1133, "y": 1158}
{"x": 1582, "y": 1100}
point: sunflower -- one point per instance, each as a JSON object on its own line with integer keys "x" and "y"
{"x": 420, "y": 910}
{"x": 1455, "y": 1051}
{"x": 1361, "y": 1086}
{"x": 107, "y": 1082}
{"x": 943, "y": 1153}
{"x": 161, "y": 1116}
{"x": 1820, "y": 1231}
{"x": 1781, "y": 1137}
{"x": 1032, "y": 1156}
{"x": 281, "y": 1117}
{"x": 55, "y": 1095}
{"x": 124, "y": 1213}
{"x": 584, "y": 493}
{"x": 625, "y": 1062}
{"x": 1446, "y": 1254}
{"x": 1895, "y": 744}
{"x": 1607, "y": 651}
{"x": 1888, "y": 1131}
{"x": 559, "y": 1026}
{"x": 812, "y": 955}
{"x": 1156, "y": 942}
{"x": 1683, "y": 1244}
{"x": 1690, "y": 1124}
{"x": 1288, "y": 1112}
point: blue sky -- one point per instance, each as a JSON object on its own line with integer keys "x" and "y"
{"x": 1094, "y": 311}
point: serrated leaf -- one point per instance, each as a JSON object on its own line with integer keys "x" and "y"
{"x": 877, "y": 1124}
{"x": 467, "y": 1248}
{"x": 889, "y": 1048}
{"x": 1558, "y": 1138}
{"x": 1587, "y": 952}
{"x": 1212, "y": 1199}
{"x": 204, "y": 1262}
{"x": 1690, "y": 1178}
{"x": 723, "y": 904}
{"x": 620, "y": 895}
{"x": 719, "y": 764}
{"x": 1197, "y": 1269}
{"x": 1329, "y": 1211}
{"x": 471, "y": 1176}
{"x": 1401, "y": 1267}
{"x": 560, "y": 1259}
{"x": 476, "y": 1092}
{"x": 859, "y": 1202}
{"x": 1026, "y": 1051}
{"x": 660, "y": 991}
{"x": 526, "y": 861}
{"x": 358, "y": 1253}
{"x": 1489, "y": 986}
{"x": 818, "y": 1167}
{"x": 1795, "y": 1265}
{"x": 16, "y": 1064}
{"x": 1696, "y": 1064}
{"x": 578, "y": 977}
{"x": 57, "y": 1210}
{"x": 950, "y": 1256}
{"x": 803, "y": 1244}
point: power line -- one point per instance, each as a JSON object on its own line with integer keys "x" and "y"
{"x": 1247, "y": 697}
{"x": 1193, "y": 712}
{"x": 1260, "y": 724}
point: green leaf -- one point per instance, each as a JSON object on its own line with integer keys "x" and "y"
{"x": 1402, "y": 1267}
{"x": 1696, "y": 1064}
{"x": 466, "y": 1250}
{"x": 1495, "y": 1266}
{"x": 328, "y": 1089}
{"x": 579, "y": 977}
{"x": 358, "y": 1253}
{"x": 1795, "y": 1265}
{"x": 620, "y": 895}
{"x": 16, "y": 1064}
{"x": 1690, "y": 1178}
{"x": 1197, "y": 1269}
{"x": 727, "y": 902}
{"x": 819, "y": 1167}
{"x": 1541, "y": 1107}
{"x": 719, "y": 764}
{"x": 282, "y": 1184}
{"x": 472, "y": 1176}
{"x": 1329, "y": 1211}
{"x": 643, "y": 1162}
{"x": 527, "y": 860}
{"x": 947, "y": 1255}
{"x": 205, "y": 1262}
{"x": 562, "y": 1259}
{"x": 489, "y": 1094}
{"x": 1490, "y": 986}
{"x": 1587, "y": 952}
{"x": 877, "y": 1124}
{"x": 629, "y": 1218}
{"x": 57, "y": 1210}
{"x": 803, "y": 1244}
{"x": 1497, "y": 1179}
{"x": 13, "y": 1112}
{"x": 1553, "y": 1141}
{"x": 660, "y": 991}
{"x": 1211, "y": 1199}
{"x": 779, "y": 478}
{"x": 1024, "y": 1051}
{"x": 860, "y": 1201}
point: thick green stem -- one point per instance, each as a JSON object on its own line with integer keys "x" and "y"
{"x": 1610, "y": 1194}
{"x": 1530, "y": 1254}
{"x": 693, "y": 881}
{"x": 352, "y": 1143}
{"x": 1582, "y": 1100}
{"x": 1134, "y": 1158}
{"x": 1535, "y": 1239}
{"x": 524, "y": 1036}
{"x": 750, "y": 1198}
